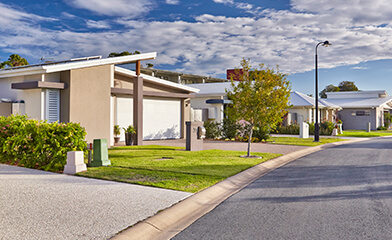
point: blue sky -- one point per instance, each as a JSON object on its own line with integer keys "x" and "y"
{"x": 207, "y": 37}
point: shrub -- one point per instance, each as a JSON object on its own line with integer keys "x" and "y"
{"x": 382, "y": 128}
{"x": 261, "y": 133}
{"x": 38, "y": 144}
{"x": 229, "y": 128}
{"x": 213, "y": 129}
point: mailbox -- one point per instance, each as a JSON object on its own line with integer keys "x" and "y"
{"x": 195, "y": 133}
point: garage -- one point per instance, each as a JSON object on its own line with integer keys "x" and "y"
{"x": 161, "y": 117}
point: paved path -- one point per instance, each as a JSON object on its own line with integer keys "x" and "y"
{"x": 338, "y": 193}
{"x": 42, "y": 205}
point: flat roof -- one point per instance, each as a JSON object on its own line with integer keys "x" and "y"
{"x": 73, "y": 64}
{"x": 127, "y": 72}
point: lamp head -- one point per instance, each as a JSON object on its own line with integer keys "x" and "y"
{"x": 326, "y": 43}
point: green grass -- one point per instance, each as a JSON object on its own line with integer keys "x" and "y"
{"x": 363, "y": 133}
{"x": 302, "y": 141}
{"x": 172, "y": 167}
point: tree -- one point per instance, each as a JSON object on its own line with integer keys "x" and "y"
{"x": 125, "y": 53}
{"x": 347, "y": 86}
{"x": 261, "y": 99}
{"x": 344, "y": 86}
{"x": 329, "y": 88}
{"x": 14, "y": 60}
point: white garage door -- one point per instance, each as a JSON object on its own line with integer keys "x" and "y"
{"x": 162, "y": 118}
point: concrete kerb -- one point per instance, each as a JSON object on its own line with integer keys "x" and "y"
{"x": 173, "y": 220}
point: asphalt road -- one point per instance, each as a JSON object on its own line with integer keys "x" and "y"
{"x": 338, "y": 193}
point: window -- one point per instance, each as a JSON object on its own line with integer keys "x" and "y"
{"x": 362, "y": 113}
{"x": 52, "y": 105}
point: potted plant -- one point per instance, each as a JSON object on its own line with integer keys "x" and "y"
{"x": 130, "y": 131}
{"x": 116, "y": 132}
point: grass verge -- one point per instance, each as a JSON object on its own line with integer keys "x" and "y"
{"x": 363, "y": 133}
{"x": 172, "y": 167}
{"x": 302, "y": 141}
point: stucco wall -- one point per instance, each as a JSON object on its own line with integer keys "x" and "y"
{"x": 89, "y": 100}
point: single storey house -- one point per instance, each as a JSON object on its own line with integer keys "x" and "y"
{"x": 303, "y": 108}
{"x": 98, "y": 94}
{"x": 212, "y": 100}
{"x": 361, "y": 108}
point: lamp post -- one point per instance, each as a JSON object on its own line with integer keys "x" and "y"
{"x": 317, "y": 124}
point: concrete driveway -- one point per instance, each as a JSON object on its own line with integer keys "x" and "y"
{"x": 42, "y": 205}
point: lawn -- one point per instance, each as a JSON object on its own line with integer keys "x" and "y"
{"x": 172, "y": 167}
{"x": 363, "y": 133}
{"x": 302, "y": 141}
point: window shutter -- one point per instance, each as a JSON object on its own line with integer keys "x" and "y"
{"x": 52, "y": 105}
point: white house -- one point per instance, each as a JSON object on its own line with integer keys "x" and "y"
{"x": 303, "y": 108}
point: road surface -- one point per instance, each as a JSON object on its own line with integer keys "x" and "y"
{"x": 338, "y": 193}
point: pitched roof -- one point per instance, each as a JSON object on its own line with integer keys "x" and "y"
{"x": 211, "y": 89}
{"x": 361, "y": 102}
{"x": 298, "y": 99}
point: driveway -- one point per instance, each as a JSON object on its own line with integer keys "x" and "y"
{"x": 42, "y": 205}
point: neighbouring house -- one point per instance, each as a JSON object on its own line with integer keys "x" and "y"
{"x": 98, "y": 94}
{"x": 361, "y": 108}
{"x": 304, "y": 109}
{"x": 179, "y": 77}
{"x": 210, "y": 102}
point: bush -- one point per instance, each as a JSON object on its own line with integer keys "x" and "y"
{"x": 382, "y": 128}
{"x": 326, "y": 128}
{"x": 261, "y": 133}
{"x": 38, "y": 144}
{"x": 229, "y": 128}
{"x": 213, "y": 129}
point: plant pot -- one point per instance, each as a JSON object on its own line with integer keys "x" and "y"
{"x": 128, "y": 139}
{"x": 116, "y": 139}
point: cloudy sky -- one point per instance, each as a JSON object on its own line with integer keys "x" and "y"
{"x": 208, "y": 36}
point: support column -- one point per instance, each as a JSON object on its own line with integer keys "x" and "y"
{"x": 138, "y": 109}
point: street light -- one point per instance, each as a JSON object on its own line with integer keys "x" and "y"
{"x": 317, "y": 124}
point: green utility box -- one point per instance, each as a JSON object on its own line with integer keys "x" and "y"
{"x": 100, "y": 153}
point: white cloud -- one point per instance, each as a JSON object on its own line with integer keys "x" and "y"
{"x": 173, "y": 2}
{"x": 9, "y": 15}
{"x": 359, "y": 68}
{"x": 224, "y": 1}
{"x": 98, "y": 24}
{"x": 123, "y": 8}
{"x": 212, "y": 44}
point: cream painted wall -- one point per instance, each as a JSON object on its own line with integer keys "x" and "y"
{"x": 89, "y": 100}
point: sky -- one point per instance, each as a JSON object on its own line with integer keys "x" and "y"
{"x": 209, "y": 36}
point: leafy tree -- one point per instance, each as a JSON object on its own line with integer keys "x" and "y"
{"x": 14, "y": 60}
{"x": 347, "y": 86}
{"x": 261, "y": 99}
{"x": 125, "y": 53}
{"x": 344, "y": 86}
{"x": 329, "y": 88}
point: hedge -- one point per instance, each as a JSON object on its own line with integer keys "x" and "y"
{"x": 38, "y": 144}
